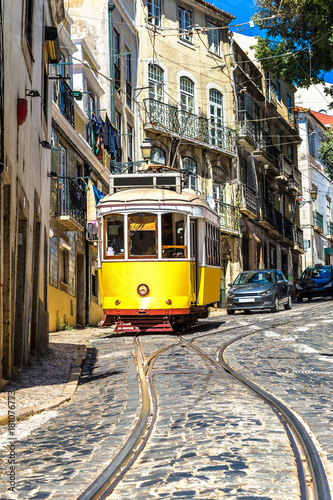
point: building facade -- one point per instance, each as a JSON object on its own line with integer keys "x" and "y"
{"x": 28, "y": 37}
{"x": 316, "y": 200}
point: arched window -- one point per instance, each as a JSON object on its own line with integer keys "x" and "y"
{"x": 216, "y": 117}
{"x": 158, "y": 156}
{"x": 187, "y": 94}
{"x": 190, "y": 166}
{"x": 155, "y": 81}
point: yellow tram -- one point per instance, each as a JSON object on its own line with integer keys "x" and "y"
{"x": 159, "y": 253}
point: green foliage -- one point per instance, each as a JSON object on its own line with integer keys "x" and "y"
{"x": 301, "y": 34}
{"x": 62, "y": 324}
{"x": 325, "y": 153}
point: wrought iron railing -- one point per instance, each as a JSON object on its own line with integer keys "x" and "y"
{"x": 330, "y": 228}
{"x": 229, "y": 216}
{"x": 189, "y": 125}
{"x": 248, "y": 199}
{"x": 247, "y": 127}
{"x": 298, "y": 237}
{"x": 288, "y": 229}
{"x": 278, "y": 220}
{"x": 318, "y": 220}
{"x": 71, "y": 200}
{"x": 266, "y": 211}
{"x": 64, "y": 98}
{"x": 297, "y": 178}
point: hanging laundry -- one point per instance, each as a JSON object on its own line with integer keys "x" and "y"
{"x": 91, "y": 203}
{"x": 98, "y": 194}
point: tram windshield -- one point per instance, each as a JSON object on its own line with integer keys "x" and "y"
{"x": 173, "y": 236}
{"x": 142, "y": 235}
{"x": 114, "y": 236}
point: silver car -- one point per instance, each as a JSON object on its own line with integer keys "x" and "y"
{"x": 259, "y": 289}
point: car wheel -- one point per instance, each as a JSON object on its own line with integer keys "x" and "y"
{"x": 288, "y": 304}
{"x": 230, "y": 311}
{"x": 276, "y": 306}
{"x": 299, "y": 299}
{"x": 247, "y": 311}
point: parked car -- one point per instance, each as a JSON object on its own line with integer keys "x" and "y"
{"x": 316, "y": 281}
{"x": 259, "y": 289}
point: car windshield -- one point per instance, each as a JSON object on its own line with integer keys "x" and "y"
{"x": 261, "y": 277}
{"x": 316, "y": 273}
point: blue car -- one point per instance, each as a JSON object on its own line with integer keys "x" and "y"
{"x": 315, "y": 281}
{"x": 259, "y": 289}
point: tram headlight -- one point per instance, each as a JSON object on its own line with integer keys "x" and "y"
{"x": 169, "y": 302}
{"x": 143, "y": 290}
{"x": 117, "y": 302}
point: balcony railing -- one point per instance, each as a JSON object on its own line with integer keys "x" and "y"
{"x": 229, "y": 216}
{"x": 330, "y": 228}
{"x": 71, "y": 204}
{"x": 190, "y": 126}
{"x": 248, "y": 201}
{"x": 298, "y": 178}
{"x": 286, "y": 168}
{"x": 318, "y": 221}
{"x": 247, "y": 127}
{"x": 64, "y": 98}
{"x": 288, "y": 229}
{"x": 278, "y": 221}
{"x": 298, "y": 237}
{"x": 271, "y": 94}
{"x": 266, "y": 212}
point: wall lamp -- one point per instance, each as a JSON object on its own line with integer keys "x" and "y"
{"x": 32, "y": 93}
{"x": 45, "y": 144}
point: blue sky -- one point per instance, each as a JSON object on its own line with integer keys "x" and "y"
{"x": 243, "y": 11}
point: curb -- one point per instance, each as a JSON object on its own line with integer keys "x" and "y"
{"x": 67, "y": 393}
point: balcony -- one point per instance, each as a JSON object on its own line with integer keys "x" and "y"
{"x": 71, "y": 204}
{"x": 229, "y": 217}
{"x": 298, "y": 239}
{"x": 248, "y": 202}
{"x": 266, "y": 217}
{"x": 288, "y": 229}
{"x": 298, "y": 179}
{"x": 329, "y": 230}
{"x": 318, "y": 222}
{"x": 277, "y": 229}
{"x": 247, "y": 130}
{"x": 180, "y": 123}
{"x": 271, "y": 94}
{"x": 286, "y": 168}
{"x": 64, "y": 98}
{"x": 267, "y": 153}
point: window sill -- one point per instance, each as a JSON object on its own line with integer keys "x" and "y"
{"x": 189, "y": 45}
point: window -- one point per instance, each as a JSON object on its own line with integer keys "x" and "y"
{"x": 216, "y": 117}
{"x": 214, "y": 39}
{"x": 28, "y": 22}
{"x": 142, "y": 235}
{"x": 155, "y": 81}
{"x": 187, "y": 94}
{"x": 129, "y": 143}
{"x": 185, "y": 24}
{"x": 116, "y": 67}
{"x": 278, "y": 90}
{"x": 64, "y": 266}
{"x": 290, "y": 153}
{"x": 278, "y": 141}
{"x": 212, "y": 245}
{"x": 219, "y": 181}
{"x": 173, "y": 229}
{"x": 128, "y": 77}
{"x": 154, "y": 12}
{"x": 312, "y": 142}
{"x": 290, "y": 105}
{"x": 190, "y": 167}
{"x": 328, "y": 209}
{"x": 119, "y": 152}
{"x": 114, "y": 236}
{"x": 158, "y": 156}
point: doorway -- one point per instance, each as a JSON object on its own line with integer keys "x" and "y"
{"x": 80, "y": 274}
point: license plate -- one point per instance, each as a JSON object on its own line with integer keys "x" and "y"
{"x": 246, "y": 300}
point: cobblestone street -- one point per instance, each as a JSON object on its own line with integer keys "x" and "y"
{"x": 213, "y": 438}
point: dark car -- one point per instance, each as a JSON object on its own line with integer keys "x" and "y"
{"x": 315, "y": 281}
{"x": 259, "y": 289}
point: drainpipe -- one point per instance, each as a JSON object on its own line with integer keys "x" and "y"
{"x": 111, "y": 7}
{"x": 87, "y": 318}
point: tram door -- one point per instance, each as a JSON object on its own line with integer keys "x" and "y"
{"x": 194, "y": 264}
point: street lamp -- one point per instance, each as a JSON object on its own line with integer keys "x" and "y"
{"x": 121, "y": 167}
{"x": 313, "y": 195}
{"x": 146, "y": 149}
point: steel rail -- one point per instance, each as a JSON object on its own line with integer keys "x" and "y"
{"x": 106, "y": 482}
{"x": 320, "y": 489}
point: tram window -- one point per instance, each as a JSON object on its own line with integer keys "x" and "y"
{"x": 143, "y": 235}
{"x": 114, "y": 236}
{"x": 174, "y": 236}
{"x": 212, "y": 245}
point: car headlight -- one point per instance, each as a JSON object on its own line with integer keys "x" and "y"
{"x": 328, "y": 285}
{"x": 299, "y": 287}
{"x": 266, "y": 292}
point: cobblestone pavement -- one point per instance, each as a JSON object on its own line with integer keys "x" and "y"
{"x": 212, "y": 439}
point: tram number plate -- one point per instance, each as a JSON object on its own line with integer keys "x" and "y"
{"x": 246, "y": 300}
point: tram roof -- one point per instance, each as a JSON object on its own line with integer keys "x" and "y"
{"x": 160, "y": 195}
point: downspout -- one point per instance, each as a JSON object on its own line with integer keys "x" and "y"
{"x": 111, "y": 7}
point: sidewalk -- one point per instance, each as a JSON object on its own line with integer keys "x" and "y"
{"x": 51, "y": 379}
